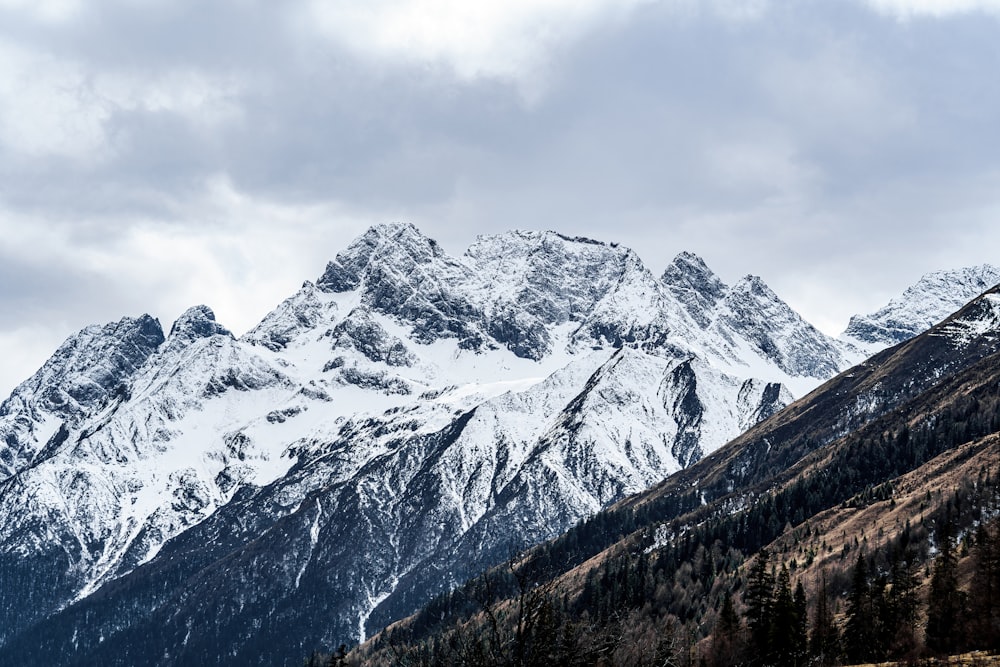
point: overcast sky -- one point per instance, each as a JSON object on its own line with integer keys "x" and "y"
{"x": 156, "y": 154}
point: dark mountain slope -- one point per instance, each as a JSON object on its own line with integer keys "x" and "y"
{"x": 910, "y": 419}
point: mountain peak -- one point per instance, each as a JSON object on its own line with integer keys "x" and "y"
{"x": 689, "y": 270}
{"x": 83, "y": 373}
{"x": 197, "y": 322}
{"x": 694, "y": 285}
{"x": 771, "y": 326}
{"x": 385, "y": 243}
{"x": 532, "y": 240}
{"x": 98, "y": 356}
{"x": 412, "y": 403}
{"x": 551, "y": 275}
{"x": 756, "y": 285}
{"x": 580, "y": 239}
{"x": 929, "y": 300}
{"x": 978, "y": 320}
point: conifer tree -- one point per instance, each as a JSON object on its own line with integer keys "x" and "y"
{"x": 944, "y": 601}
{"x": 759, "y": 599}
{"x": 824, "y": 643}
{"x": 903, "y": 604}
{"x": 800, "y": 641}
{"x": 339, "y": 657}
{"x": 782, "y": 649}
{"x": 984, "y": 598}
{"x": 858, "y": 629}
{"x": 726, "y": 644}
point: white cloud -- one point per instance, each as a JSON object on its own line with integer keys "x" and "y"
{"x": 939, "y": 8}
{"x": 47, "y": 106}
{"x": 513, "y": 39}
{"x": 769, "y": 136}
{"x": 202, "y": 98}
{"x": 835, "y": 93}
{"x": 509, "y": 38}
{"x": 766, "y": 167}
{"x": 57, "y": 107}
{"x": 237, "y": 253}
{"x": 47, "y": 11}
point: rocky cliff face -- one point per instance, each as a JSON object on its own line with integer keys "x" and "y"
{"x": 87, "y": 371}
{"x": 387, "y": 431}
{"x": 931, "y": 299}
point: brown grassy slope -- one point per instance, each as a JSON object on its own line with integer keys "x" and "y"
{"x": 917, "y": 496}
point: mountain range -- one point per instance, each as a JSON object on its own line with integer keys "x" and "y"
{"x": 395, "y": 427}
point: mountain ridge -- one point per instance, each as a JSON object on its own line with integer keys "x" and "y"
{"x": 932, "y": 298}
{"x": 438, "y": 410}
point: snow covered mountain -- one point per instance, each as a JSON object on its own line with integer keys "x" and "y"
{"x": 85, "y": 372}
{"x": 385, "y": 432}
{"x": 934, "y": 297}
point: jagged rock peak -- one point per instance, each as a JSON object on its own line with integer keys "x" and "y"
{"x": 771, "y": 326}
{"x": 694, "y": 284}
{"x": 537, "y": 240}
{"x": 394, "y": 243}
{"x": 978, "y": 320}
{"x": 922, "y": 305}
{"x": 123, "y": 345}
{"x": 144, "y": 330}
{"x": 295, "y": 316}
{"x": 197, "y": 322}
{"x": 551, "y": 235}
{"x": 688, "y": 268}
{"x": 519, "y": 253}
{"x": 755, "y": 304}
{"x": 755, "y": 285}
{"x": 549, "y": 275}
{"x": 82, "y": 373}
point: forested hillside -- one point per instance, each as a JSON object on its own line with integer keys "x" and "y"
{"x": 859, "y": 524}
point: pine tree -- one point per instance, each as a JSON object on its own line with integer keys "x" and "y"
{"x": 783, "y": 622}
{"x": 858, "y": 629}
{"x": 984, "y": 598}
{"x": 903, "y": 603}
{"x": 824, "y": 643}
{"x": 800, "y": 641}
{"x": 339, "y": 657}
{"x": 883, "y": 615}
{"x": 759, "y": 599}
{"x": 945, "y": 603}
{"x": 726, "y": 637}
